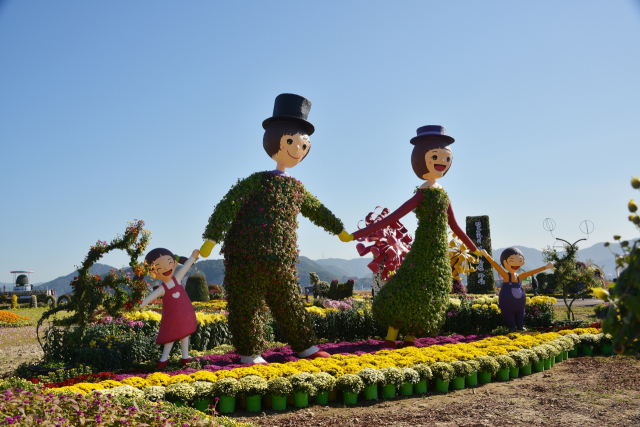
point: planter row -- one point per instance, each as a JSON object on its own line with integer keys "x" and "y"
{"x": 227, "y": 404}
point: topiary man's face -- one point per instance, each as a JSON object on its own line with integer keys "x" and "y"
{"x": 293, "y": 148}
{"x": 163, "y": 268}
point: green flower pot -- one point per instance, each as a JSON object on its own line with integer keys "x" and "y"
{"x": 301, "y": 399}
{"x": 526, "y": 369}
{"x": 538, "y": 366}
{"x": 471, "y": 380}
{"x": 350, "y": 398}
{"x": 201, "y": 405}
{"x": 254, "y": 403}
{"x": 485, "y": 377}
{"x": 503, "y": 374}
{"x": 371, "y": 392}
{"x": 553, "y": 361}
{"x": 278, "y": 403}
{"x": 586, "y": 350}
{"x": 606, "y": 350}
{"x": 421, "y": 387}
{"x": 322, "y": 398}
{"x": 226, "y": 404}
{"x": 333, "y": 395}
{"x": 406, "y": 389}
{"x": 574, "y": 352}
{"x": 442, "y": 386}
{"x": 389, "y": 391}
{"x": 514, "y": 372}
{"x": 566, "y": 355}
{"x": 547, "y": 364}
{"x": 457, "y": 383}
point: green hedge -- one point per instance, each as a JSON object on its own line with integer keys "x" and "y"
{"x": 338, "y": 291}
{"x": 197, "y": 288}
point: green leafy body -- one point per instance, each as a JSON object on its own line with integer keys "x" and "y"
{"x": 415, "y": 299}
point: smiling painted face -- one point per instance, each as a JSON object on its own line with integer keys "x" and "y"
{"x": 513, "y": 263}
{"x": 163, "y": 268}
{"x": 438, "y": 163}
{"x": 293, "y": 148}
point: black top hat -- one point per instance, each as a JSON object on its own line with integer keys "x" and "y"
{"x": 432, "y": 131}
{"x": 293, "y": 108}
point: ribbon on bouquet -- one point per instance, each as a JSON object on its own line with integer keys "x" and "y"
{"x": 393, "y": 242}
{"x": 460, "y": 259}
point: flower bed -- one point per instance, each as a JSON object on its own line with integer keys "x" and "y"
{"x": 11, "y": 319}
{"x": 521, "y": 347}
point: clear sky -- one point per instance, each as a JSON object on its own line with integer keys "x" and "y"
{"x": 119, "y": 110}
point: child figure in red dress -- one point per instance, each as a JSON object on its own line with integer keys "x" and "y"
{"x": 178, "y": 317}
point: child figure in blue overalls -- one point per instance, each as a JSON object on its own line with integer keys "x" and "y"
{"x": 512, "y": 298}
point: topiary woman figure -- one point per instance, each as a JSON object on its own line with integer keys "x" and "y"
{"x": 414, "y": 301}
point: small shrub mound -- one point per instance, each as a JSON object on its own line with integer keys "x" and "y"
{"x": 197, "y": 288}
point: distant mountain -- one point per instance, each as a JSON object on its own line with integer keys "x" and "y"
{"x": 62, "y": 284}
{"x": 356, "y": 267}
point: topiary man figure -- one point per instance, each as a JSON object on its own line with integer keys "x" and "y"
{"x": 257, "y": 221}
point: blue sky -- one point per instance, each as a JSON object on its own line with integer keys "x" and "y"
{"x": 111, "y": 111}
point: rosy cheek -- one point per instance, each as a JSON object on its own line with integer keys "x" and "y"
{"x": 430, "y": 163}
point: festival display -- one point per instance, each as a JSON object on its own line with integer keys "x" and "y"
{"x": 256, "y": 221}
{"x": 179, "y": 317}
{"x": 482, "y": 280}
{"x": 414, "y": 301}
{"x": 512, "y": 296}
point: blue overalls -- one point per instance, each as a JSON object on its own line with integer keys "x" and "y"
{"x": 512, "y": 300}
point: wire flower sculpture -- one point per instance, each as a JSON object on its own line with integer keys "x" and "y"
{"x": 390, "y": 245}
{"x": 460, "y": 259}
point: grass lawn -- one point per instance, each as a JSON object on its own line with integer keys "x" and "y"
{"x": 581, "y": 313}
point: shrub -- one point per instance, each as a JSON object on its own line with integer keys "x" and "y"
{"x": 458, "y": 288}
{"x": 252, "y": 385}
{"x": 338, "y": 291}
{"x": 215, "y": 292}
{"x": 14, "y": 301}
{"x": 392, "y": 376}
{"x": 370, "y": 376}
{"x": 154, "y": 393}
{"x": 520, "y": 358}
{"x": 546, "y": 283}
{"x": 322, "y": 381}
{"x": 179, "y": 392}
{"x": 461, "y": 369}
{"x": 350, "y": 383}
{"x": 474, "y": 364}
{"x": 505, "y": 361}
{"x": 50, "y": 301}
{"x": 64, "y": 299}
{"x": 196, "y": 288}
{"x": 488, "y": 364}
{"x": 411, "y": 375}
{"x": 320, "y": 289}
{"x": 423, "y": 370}
{"x": 279, "y": 386}
{"x": 302, "y": 383}
{"x": 226, "y": 387}
{"x": 443, "y": 370}
{"x": 203, "y": 389}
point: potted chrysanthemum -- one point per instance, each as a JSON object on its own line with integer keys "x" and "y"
{"x": 462, "y": 370}
{"x": 589, "y": 343}
{"x": 279, "y": 388}
{"x": 154, "y": 393}
{"x": 350, "y": 385}
{"x": 411, "y": 377}
{"x": 576, "y": 344}
{"x": 425, "y": 373}
{"x": 521, "y": 359}
{"x": 371, "y": 378}
{"x": 533, "y": 358}
{"x": 180, "y": 394}
{"x": 302, "y": 387}
{"x": 557, "y": 350}
{"x": 506, "y": 364}
{"x": 606, "y": 343}
{"x": 323, "y": 383}
{"x": 393, "y": 379}
{"x": 443, "y": 373}
{"x": 226, "y": 390}
{"x": 203, "y": 391}
{"x": 471, "y": 380}
{"x": 488, "y": 367}
{"x": 252, "y": 387}
{"x": 543, "y": 353}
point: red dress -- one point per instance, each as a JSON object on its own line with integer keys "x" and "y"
{"x": 178, "y": 317}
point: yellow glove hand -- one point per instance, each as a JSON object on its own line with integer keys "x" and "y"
{"x": 206, "y": 248}
{"x": 345, "y": 237}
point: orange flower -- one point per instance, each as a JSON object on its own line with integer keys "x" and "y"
{"x": 8, "y": 317}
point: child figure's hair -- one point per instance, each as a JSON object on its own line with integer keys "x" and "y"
{"x": 159, "y": 252}
{"x": 508, "y": 252}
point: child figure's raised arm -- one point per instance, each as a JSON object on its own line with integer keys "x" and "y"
{"x": 536, "y": 271}
{"x": 179, "y": 275}
{"x": 499, "y": 269}
{"x": 158, "y": 293}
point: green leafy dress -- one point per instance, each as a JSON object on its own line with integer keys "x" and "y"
{"x": 257, "y": 222}
{"x": 416, "y": 298}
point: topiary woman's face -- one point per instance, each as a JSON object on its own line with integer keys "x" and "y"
{"x": 293, "y": 148}
{"x": 438, "y": 163}
{"x": 163, "y": 268}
